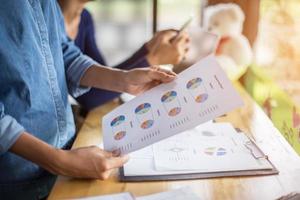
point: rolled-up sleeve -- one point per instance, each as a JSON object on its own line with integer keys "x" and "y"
{"x": 10, "y": 130}
{"x": 76, "y": 65}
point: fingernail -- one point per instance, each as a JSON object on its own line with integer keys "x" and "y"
{"x": 116, "y": 153}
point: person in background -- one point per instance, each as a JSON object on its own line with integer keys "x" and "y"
{"x": 39, "y": 67}
{"x": 161, "y": 49}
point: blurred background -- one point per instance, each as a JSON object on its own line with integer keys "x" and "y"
{"x": 272, "y": 28}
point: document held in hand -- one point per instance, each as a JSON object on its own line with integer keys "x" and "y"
{"x": 198, "y": 94}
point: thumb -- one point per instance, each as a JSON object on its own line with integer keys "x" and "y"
{"x": 115, "y": 162}
{"x": 168, "y": 35}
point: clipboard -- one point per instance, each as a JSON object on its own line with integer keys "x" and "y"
{"x": 251, "y": 145}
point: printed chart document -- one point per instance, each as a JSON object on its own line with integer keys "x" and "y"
{"x": 200, "y": 93}
{"x": 184, "y": 193}
{"x": 208, "y": 148}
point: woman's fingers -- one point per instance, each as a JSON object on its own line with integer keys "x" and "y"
{"x": 161, "y": 76}
{"x": 116, "y": 162}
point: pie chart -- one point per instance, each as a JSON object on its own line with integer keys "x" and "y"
{"x": 143, "y": 108}
{"x": 168, "y": 97}
{"x": 117, "y": 121}
{"x": 201, "y": 98}
{"x": 174, "y": 111}
{"x": 194, "y": 83}
{"x": 119, "y": 135}
{"x": 147, "y": 124}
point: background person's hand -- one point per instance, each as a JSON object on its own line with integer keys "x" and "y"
{"x": 140, "y": 80}
{"x": 167, "y": 48}
{"x": 89, "y": 162}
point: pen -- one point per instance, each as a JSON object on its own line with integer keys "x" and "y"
{"x": 183, "y": 27}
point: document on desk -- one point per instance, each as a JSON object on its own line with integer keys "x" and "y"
{"x": 198, "y": 94}
{"x": 185, "y": 193}
{"x": 208, "y": 148}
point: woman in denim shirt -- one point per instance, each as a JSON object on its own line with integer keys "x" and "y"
{"x": 39, "y": 66}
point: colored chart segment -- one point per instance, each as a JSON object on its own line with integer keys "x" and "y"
{"x": 214, "y": 151}
{"x": 144, "y": 115}
{"x": 174, "y": 111}
{"x": 171, "y": 103}
{"x": 117, "y": 121}
{"x": 197, "y": 89}
{"x": 194, "y": 83}
{"x": 143, "y": 108}
{"x": 201, "y": 98}
{"x": 147, "y": 124}
{"x": 120, "y": 135}
{"x": 169, "y": 96}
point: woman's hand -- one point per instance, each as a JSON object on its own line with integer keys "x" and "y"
{"x": 134, "y": 81}
{"x": 167, "y": 47}
{"x": 89, "y": 162}
{"x": 140, "y": 80}
{"x": 86, "y": 162}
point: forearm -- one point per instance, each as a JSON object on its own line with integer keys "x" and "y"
{"x": 37, "y": 151}
{"x": 105, "y": 78}
{"x": 87, "y": 162}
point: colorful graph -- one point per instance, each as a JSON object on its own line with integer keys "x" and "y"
{"x": 169, "y": 96}
{"x": 174, "y": 111}
{"x": 196, "y": 88}
{"x": 143, "y": 108}
{"x": 118, "y": 127}
{"x": 214, "y": 151}
{"x": 120, "y": 135}
{"x": 147, "y": 124}
{"x": 145, "y": 115}
{"x": 194, "y": 83}
{"x": 201, "y": 98}
{"x": 171, "y": 103}
{"x": 117, "y": 121}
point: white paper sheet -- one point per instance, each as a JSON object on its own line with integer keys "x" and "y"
{"x": 185, "y": 193}
{"x": 212, "y": 147}
{"x": 200, "y": 93}
{"x": 120, "y": 196}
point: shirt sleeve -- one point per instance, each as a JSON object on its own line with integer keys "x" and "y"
{"x": 137, "y": 60}
{"x": 10, "y": 130}
{"x": 76, "y": 63}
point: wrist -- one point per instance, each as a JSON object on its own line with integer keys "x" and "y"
{"x": 151, "y": 59}
{"x": 59, "y": 161}
{"x": 122, "y": 80}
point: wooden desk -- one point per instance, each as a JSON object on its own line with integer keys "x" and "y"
{"x": 250, "y": 119}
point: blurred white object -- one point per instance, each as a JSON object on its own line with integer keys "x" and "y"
{"x": 233, "y": 50}
{"x": 202, "y": 43}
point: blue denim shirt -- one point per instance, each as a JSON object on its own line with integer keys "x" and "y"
{"x": 39, "y": 66}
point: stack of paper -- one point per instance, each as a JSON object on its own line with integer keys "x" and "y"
{"x": 208, "y": 148}
{"x": 185, "y": 193}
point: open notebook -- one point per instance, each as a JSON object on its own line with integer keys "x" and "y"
{"x": 209, "y": 150}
